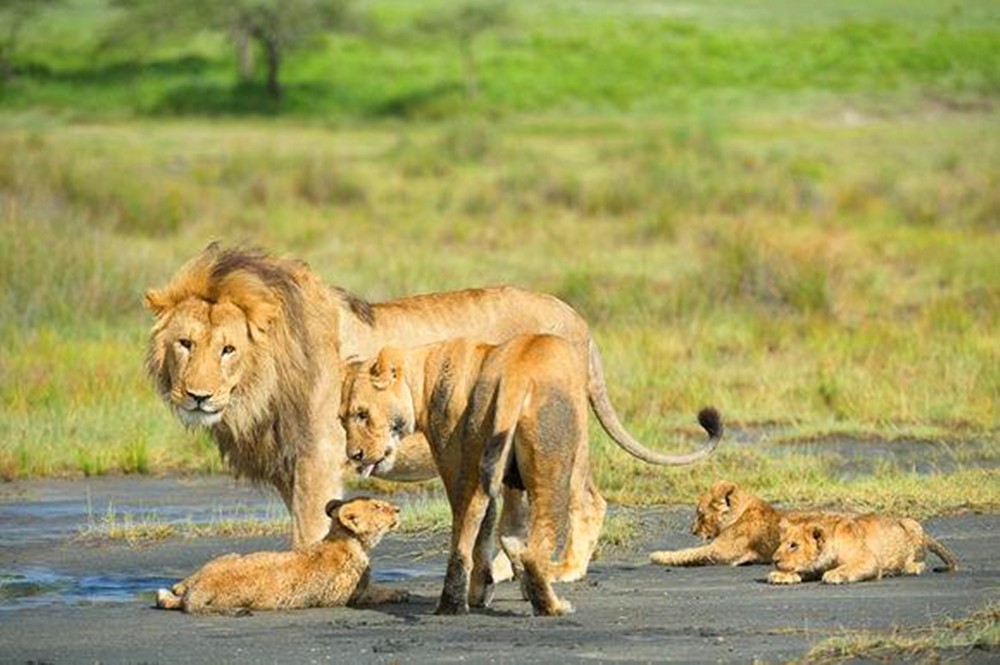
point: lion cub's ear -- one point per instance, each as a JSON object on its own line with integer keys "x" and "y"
{"x": 387, "y": 368}
{"x": 818, "y": 533}
{"x": 353, "y": 516}
{"x": 332, "y": 506}
{"x": 723, "y": 491}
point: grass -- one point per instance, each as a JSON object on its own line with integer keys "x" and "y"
{"x": 136, "y": 529}
{"x": 947, "y": 639}
{"x": 789, "y": 214}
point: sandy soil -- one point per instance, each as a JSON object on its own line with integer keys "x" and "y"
{"x": 626, "y": 610}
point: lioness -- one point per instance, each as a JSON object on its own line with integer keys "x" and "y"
{"x": 330, "y": 573}
{"x": 512, "y": 414}
{"x": 851, "y": 548}
{"x": 251, "y": 347}
{"x": 744, "y": 528}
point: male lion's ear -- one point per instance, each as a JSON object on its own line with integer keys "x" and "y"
{"x": 157, "y": 301}
{"x": 388, "y": 368}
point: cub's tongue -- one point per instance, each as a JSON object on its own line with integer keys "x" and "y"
{"x": 366, "y": 470}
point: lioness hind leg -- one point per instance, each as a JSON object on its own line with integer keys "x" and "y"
{"x": 481, "y": 584}
{"x": 537, "y": 558}
{"x": 513, "y": 530}
{"x": 586, "y": 517}
{"x": 467, "y": 517}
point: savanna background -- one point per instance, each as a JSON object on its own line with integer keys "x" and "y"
{"x": 789, "y": 210}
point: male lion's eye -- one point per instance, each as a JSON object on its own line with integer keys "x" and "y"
{"x": 792, "y": 547}
{"x": 361, "y": 415}
{"x": 228, "y": 349}
{"x": 185, "y": 343}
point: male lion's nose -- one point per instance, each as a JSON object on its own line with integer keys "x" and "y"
{"x": 199, "y": 396}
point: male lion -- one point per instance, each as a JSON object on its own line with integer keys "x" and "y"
{"x": 329, "y": 573}
{"x": 252, "y": 347}
{"x": 744, "y": 527}
{"x": 512, "y": 414}
{"x": 851, "y": 548}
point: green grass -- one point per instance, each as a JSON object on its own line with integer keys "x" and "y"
{"x": 947, "y": 639}
{"x": 560, "y": 56}
{"x": 789, "y": 214}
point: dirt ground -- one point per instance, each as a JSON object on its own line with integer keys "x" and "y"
{"x": 626, "y": 610}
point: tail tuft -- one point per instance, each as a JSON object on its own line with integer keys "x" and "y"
{"x": 710, "y": 419}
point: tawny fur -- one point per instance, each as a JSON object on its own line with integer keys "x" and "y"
{"x": 840, "y": 549}
{"x": 263, "y": 369}
{"x": 510, "y": 418}
{"x": 742, "y": 528}
{"x": 330, "y": 573}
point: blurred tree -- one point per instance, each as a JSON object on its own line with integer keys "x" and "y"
{"x": 274, "y": 26}
{"x": 465, "y": 23}
{"x": 14, "y": 15}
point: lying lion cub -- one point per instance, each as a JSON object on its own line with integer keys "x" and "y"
{"x": 744, "y": 528}
{"x": 852, "y": 548}
{"x": 332, "y": 572}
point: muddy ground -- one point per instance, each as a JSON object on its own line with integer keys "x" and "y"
{"x": 64, "y": 601}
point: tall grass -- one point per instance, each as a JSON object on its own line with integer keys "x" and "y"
{"x": 792, "y": 215}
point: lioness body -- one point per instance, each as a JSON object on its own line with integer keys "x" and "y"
{"x": 332, "y": 572}
{"x": 252, "y": 347}
{"x": 514, "y": 415}
{"x": 841, "y": 549}
{"x": 742, "y": 527}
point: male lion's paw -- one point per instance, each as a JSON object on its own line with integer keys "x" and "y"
{"x": 780, "y": 577}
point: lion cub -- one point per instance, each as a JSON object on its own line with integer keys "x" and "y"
{"x": 332, "y": 572}
{"x": 744, "y": 528}
{"x": 851, "y": 548}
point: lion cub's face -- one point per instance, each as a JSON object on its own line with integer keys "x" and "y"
{"x": 367, "y": 519}
{"x": 376, "y": 412}
{"x": 717, "y": 510}
{"x": 199, "y": 353}
{"x": 801, "y": 547}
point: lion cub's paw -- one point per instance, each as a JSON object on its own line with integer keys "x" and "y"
{"x": 167, "y": 600}
{"x": 780, "y": 577}
{"x": 836, "y": 577}
{"x": 663, "y": 558}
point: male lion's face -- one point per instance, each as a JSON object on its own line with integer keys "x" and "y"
{"x": 716, "y": 510}
{"x": 801, "y": 548}
{"x": 377, "y": 414}
{"x": 200, "y": 351}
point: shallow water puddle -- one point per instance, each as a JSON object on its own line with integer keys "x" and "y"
{"x": 38, "y": 586}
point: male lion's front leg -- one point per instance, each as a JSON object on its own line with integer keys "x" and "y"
{"x": 317, "y": 480}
